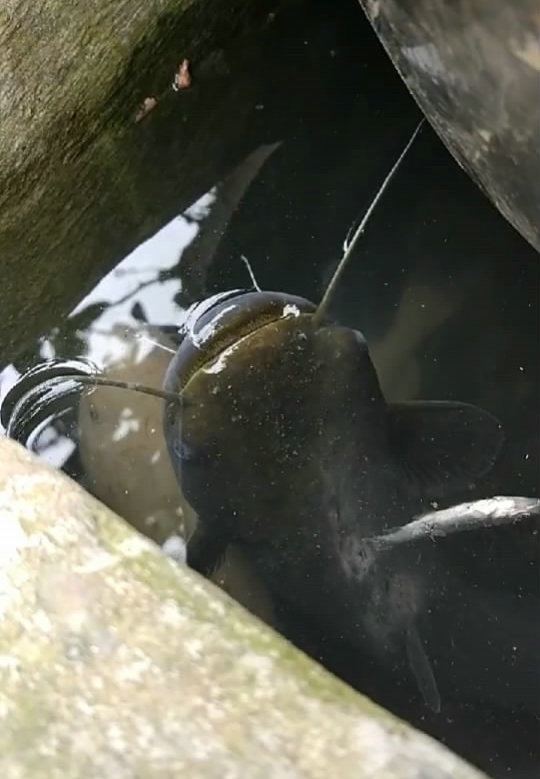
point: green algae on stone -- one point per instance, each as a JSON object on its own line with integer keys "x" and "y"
{"x": 120, "y": 663}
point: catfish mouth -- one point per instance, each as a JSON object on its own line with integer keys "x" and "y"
{"x": 214, "y": 327}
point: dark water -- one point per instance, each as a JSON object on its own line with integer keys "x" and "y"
{"x": 445, "y": 291}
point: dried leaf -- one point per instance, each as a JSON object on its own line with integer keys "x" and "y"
{"x": 182, "y": 77}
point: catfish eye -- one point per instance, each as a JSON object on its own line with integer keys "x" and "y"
{"x": 182, "y": 451}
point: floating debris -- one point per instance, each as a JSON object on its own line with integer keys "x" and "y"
{"x": 182, "y": 77}
{"x": 147, "y": 105}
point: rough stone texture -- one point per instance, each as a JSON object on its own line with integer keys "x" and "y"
{"x": 82, "y": 183}
{"x": 474, "y": 68}
{"x": 115, "y": 662}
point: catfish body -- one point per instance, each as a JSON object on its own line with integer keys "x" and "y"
{"x": 286, "y": 447}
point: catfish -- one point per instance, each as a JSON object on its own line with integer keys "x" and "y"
{"x": 286, "y": 448}
{"x": 283, "y": 444}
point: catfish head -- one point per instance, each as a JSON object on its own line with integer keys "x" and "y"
{"x": 285, "y": 447}
{"x": 275, "y": 413}
{"x": 284, "y": 435}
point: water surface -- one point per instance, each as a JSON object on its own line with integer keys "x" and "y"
{"x": 445, "y": 291}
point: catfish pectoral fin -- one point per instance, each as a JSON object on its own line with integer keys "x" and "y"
{"x": 205, "y": 550}
{"x": 422, "y": 670}
{"x": 442, "y": 446}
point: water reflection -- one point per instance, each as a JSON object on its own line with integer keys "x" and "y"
{"x": 112, "y": 442}
{"x": 107, "y": 325}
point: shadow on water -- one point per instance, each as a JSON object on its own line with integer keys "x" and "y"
{"x": 447, "y": 295}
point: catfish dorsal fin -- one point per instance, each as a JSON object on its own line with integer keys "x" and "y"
{"x": 442, "y": 446}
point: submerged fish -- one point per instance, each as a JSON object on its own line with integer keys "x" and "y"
{"x": 285, "y": 447}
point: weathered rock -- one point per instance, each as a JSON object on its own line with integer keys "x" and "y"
{"x": 473, "y": 66}
{"x": 116, "y": 662}
{"x": 82, "y": 182}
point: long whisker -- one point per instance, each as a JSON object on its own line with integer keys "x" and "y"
{"x": 100, "y": 381}
{"x": 156, "y": 343}
{"x": 250, "y": 271}
{"x": 331, "y": 288}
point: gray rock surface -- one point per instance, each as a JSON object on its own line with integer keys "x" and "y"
{"x": 116, "y": 662}
{"x": 474, "y": 66}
